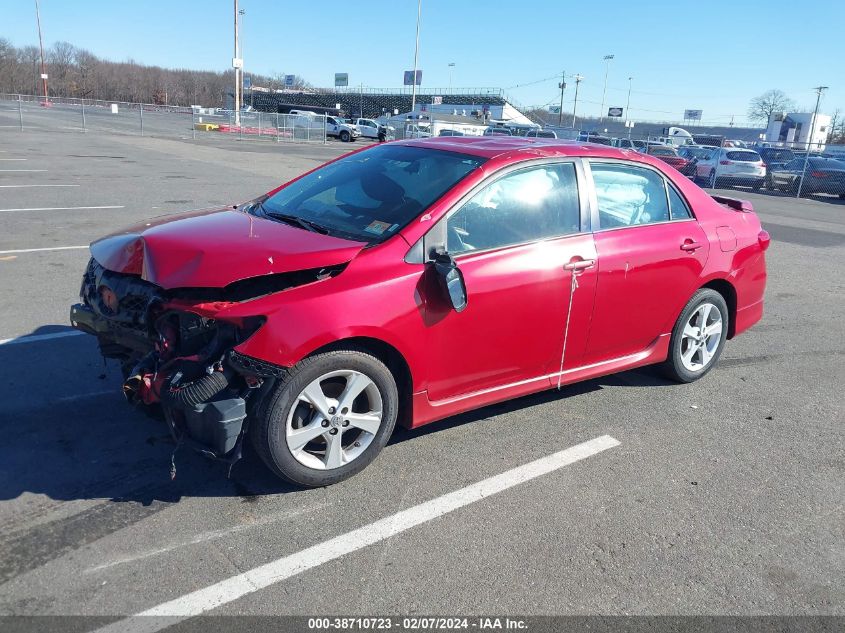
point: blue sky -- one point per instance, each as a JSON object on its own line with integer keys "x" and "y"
{"x": 712, "y": 56}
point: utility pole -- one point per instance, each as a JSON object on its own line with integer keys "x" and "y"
{"x": 236, "y": 64}
{"x": 628, "y": 106}
{"x": 41, "y": 46}
{"x": 562, "y": 86}
{"x": 416, "y": 56}
{"x": 578, "y": 80}
{"x": 241, "y": 14}
{"x": 819, "y": 90}
{"x": 607, "y": 59}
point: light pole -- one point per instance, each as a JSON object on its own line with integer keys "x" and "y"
{"x": 562, "y": 86}
{"x": 578, "y": 80}
{"x": 241, "y": 13}
{"x": 819, "y": 90}
{"x": 416, "y": 56}
{"x": 451, "y": 67}
{"x": 628, "y": 106}
{"x": 41, "y": 46}
{"x": 235, "y": 65}
{"x": 607, "y": 59}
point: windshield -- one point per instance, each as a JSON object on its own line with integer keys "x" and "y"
{"x": 372, "y": 194}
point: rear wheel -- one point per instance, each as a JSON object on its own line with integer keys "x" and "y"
{"x": 698, "y": 337}
{"x": 328, "y": 418}
{"x": 345, "y": 136}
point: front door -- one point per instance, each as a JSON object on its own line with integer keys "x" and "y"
{"x": 517, "y": 241}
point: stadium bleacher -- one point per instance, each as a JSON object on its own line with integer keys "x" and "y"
{"x": 361, "y": 104}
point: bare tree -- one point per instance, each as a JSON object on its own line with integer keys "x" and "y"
{"x": 762, "y": 107}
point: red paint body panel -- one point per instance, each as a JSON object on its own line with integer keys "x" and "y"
{"x": 210, "y": 249}
{"x": 509, "y": 340}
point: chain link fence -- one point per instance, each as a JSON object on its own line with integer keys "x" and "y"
{"x": 146, "y": 119}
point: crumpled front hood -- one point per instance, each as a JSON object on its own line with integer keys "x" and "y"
{"x": 211, "y": 249}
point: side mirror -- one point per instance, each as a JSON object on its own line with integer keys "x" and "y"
{"x": 451, "y": 280}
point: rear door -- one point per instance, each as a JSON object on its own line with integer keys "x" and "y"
{"x": 517, "y": 240}
{"x": 651, "y": 253}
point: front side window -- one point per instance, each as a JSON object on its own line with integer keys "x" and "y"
{"x": 369, "y": 195}
{"x": 530, "y": 204}
{"x": 628, "y": 195}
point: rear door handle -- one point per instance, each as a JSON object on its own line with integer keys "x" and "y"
{"x": 580, "y": 264}
{"x": 689, "y": 245}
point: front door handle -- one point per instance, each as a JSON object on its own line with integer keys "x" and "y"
{"x": 579, "y": 264}
{"x": 689, "y": 245}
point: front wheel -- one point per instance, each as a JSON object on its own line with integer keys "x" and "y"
{"x": 328, "y": 418}
{"x": 698, "y": 337}
{"x": 345, "y": 136}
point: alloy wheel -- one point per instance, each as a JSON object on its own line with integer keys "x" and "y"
{"x": 701, "y": 337}
{"x": 334, "y": 419}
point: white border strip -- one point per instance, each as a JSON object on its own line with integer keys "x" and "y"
{"x": 63, "y": 208}
{"x": 38, "y": 337}
{"x": 31, "y": 186}
{"x": 41, "y": 250}
{"x": 231, "y": 589}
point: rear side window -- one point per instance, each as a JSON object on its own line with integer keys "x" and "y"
{"x": 748, "y": 157}
{"x": 629, "y": 195}
{"x": 678, "y": 209}
{"x": 530, "y": 204}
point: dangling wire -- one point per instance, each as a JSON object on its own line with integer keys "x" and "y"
{"x": 572, "y": 287}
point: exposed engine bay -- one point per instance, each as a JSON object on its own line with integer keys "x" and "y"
{"x": 175, "y": 354}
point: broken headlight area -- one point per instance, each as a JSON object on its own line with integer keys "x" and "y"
{"x": 175, "y": 353}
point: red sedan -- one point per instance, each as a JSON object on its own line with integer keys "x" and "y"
{"x": 670, "y": 156}
{"x": 414, "y": 280}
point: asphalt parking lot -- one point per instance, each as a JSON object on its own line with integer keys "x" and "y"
{"x": 722, "y": 497}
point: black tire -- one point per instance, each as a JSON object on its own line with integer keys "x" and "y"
{"x": 842, "y": 196}
{"x": 268, "y": 429}
{"x": 345, "y": 136}
{"x": 673, "y": 368}
{"x": 757, "y": 185}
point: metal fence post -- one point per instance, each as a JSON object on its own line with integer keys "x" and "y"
{"x": 325, "y": 127}
{"x": 193, "y": 125}
{"x": 82, "y": 101}
{"x": 277, "y": 127}
{"x": 141, "y": 114}
{"x": 20, "y": 112}
{"x": 259, "y": 124}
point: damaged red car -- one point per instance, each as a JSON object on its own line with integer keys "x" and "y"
{"x": 414, "y": 280}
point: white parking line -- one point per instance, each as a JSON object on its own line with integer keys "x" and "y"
{"x": 41, "y": 250}
{"x": 63, "y": 208}
{"x": 11, "y": 159}
{"x": 29, "y": 186}
{"x": 38, "y": 337}
{"x": 18, "y": 170}
{"x": 226, "y": 591}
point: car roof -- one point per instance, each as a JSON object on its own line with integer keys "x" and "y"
{"x": 518, "y": 148}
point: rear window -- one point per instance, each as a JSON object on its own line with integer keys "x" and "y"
{"x": 826, "y": 163}
{"x": 781, "y": 155}
{"x": 662, "y": 151}
{"x": 748, "y": 157}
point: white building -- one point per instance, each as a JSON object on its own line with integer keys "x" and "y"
{"x": 798, "y": 130}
